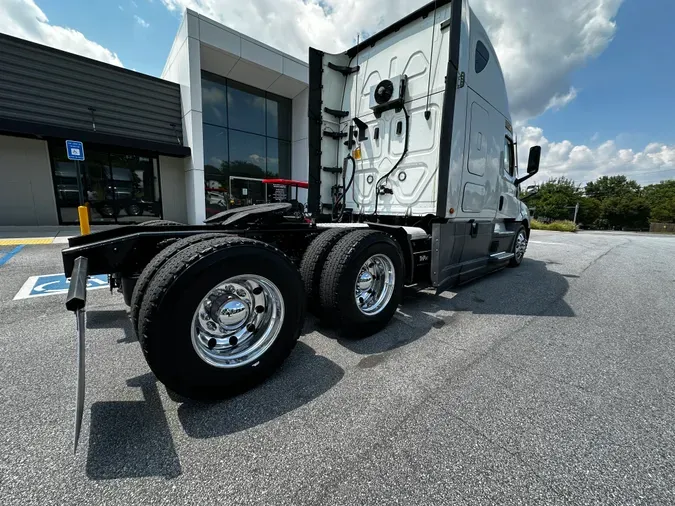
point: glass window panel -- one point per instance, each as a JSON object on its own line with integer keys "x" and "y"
{"x": 155, "y": 175}
{"x": 278, "y": 158}
{"x": 118, "y": 187}
{"x": 246, "y": 108}
{"x": 65, "y": 179}
{"x": 214, "y": 103}
{"x": 482, "y": 57}
{"x": 216, "y": 169}
{"x": 133, "y": 180}
{"x": 279, "y": 118}
{"x": 247, "y": 155}
{"x": 99, "y": 189}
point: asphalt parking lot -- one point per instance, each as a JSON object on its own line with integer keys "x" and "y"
{"x": 553, "y": 383}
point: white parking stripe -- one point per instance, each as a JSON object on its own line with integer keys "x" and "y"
{"x": 543, "y": 242}
{"x": 27, "y": 287}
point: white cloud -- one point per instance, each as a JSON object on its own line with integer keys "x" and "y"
{"x": 257, "y": 159}
{"x": 582, "y": 163}
{"x": 134, "y": 4}
{"x": 141, "y": 21}
{"x": 121, "y": 8}
{"x": 24, "y": 19}
{"x": 541, "y": 42}
{"x": 559, "y": 101}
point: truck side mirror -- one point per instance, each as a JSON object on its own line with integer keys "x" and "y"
{"x": 532, "y": 164}
{"x": 533, "y": 160}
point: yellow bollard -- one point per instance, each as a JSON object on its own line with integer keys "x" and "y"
{"x": 83, "y": 213}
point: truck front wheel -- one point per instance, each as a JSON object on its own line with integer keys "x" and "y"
{"x": 362, "y": 282}
{"x": 519, "y": 247}
{"x": 221, "y": 316}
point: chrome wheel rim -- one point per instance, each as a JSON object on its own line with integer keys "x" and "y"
{"x": 237, "y": 321}
{"x": 521, "y": 246}
{"x": 374, "y": 285}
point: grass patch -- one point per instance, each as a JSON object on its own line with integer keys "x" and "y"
{"x": 558, "y": 226}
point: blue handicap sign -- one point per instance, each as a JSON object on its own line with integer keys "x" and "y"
{"x": 55, "y": 284}
{"x": 75, "y": 150}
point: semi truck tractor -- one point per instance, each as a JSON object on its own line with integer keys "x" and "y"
{"x": 413, "y": 180}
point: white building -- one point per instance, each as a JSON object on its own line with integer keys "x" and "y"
{"x": 244, "y": 107}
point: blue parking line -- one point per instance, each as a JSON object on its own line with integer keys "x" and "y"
{"x": 8, "y": 256}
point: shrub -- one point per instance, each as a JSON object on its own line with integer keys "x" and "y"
{"x": 558, "y": 226}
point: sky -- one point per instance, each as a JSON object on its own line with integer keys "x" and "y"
{"x": 591, "y": 81}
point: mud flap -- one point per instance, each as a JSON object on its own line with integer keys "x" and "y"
{"x": 76, "y": 301}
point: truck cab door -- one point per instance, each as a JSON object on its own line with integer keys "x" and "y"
{"x": 508, "y": 199}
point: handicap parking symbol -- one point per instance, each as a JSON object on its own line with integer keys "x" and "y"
{"x": 55, "y": 284}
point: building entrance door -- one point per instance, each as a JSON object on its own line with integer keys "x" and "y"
{"x": 118, "y": 187}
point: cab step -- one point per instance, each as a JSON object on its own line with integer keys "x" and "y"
{"x": 503, "y": 233}
{"x": 500, "y": 257}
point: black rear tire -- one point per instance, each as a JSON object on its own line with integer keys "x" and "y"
{"x": 176, "y": 290}
{"x": 339, "y": 276}
{"x": 128, "y": 283}
{"x": 159, "y": 223}
{"x": 157, "y": 262}
{"x": 313, "y": 262}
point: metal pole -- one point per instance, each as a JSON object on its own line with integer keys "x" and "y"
{"x": 80, "y": 183}
{"x": 576, "y": 212}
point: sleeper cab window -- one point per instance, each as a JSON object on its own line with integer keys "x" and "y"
{"x": 482, "y": 57}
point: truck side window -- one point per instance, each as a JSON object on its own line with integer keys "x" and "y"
{"x": 509, "y": 157}
{"x": 482, "y": 57}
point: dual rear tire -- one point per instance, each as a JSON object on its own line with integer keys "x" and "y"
{"x": 354, "y": 279}
{"x": 217, "y": 314}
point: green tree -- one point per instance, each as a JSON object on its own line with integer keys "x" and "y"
{"x": 611, "y": 186}
{"x": 661, "y": 199}
{"x": 628, "y": 211}
{"x": 621, "y": 204}
{"x": 555, "y": 198}
{"x": 590, "y": 211}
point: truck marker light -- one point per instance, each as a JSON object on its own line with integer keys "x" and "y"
{"x": 357, "y": 153}
{"x": 452, "y": 210}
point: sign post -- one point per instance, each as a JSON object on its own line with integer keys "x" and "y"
{"x": 75, "y": 152}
